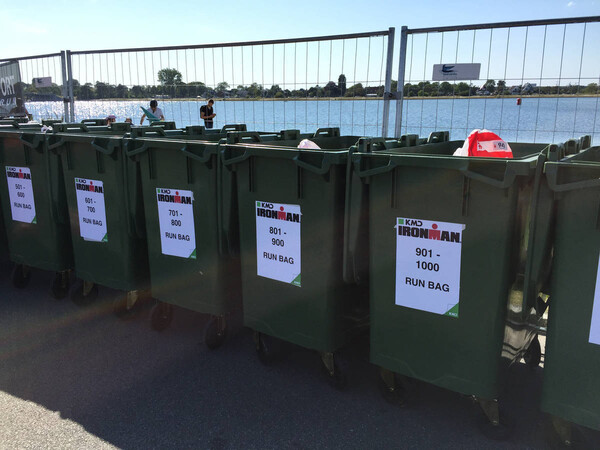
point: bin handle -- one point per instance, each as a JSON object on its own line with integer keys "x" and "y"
{"x": 220, "y": 219}
{"x": 205, "y": 157}
{"x": 236, "y": 159}
{"x": 347, "y": 276}
{"x": 53, "y": 209}
{"x": 232, "y": 136}
{"x": 130, "y": 225}
{"x": 320, "y": 170}
{"x": 552, "y": 182}
{"x": 58, "y": 143}
{"x": 507, "y": 181}
{"x": 142, "y": 148}
{"x": 327, "y": 132}
{"x": 377, "y": 170}
{"x": 35, "y": 141}
{"x": 106, "y": 150}
{"x": 233, "y": 127}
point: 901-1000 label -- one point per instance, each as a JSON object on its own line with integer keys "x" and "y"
{"x": 428, "y": 256}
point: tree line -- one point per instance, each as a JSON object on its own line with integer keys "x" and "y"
{"x": 172, "y": 86}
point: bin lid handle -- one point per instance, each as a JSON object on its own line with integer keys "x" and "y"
{"x": 205, "y": 157}
{"x": 320, "y": 170}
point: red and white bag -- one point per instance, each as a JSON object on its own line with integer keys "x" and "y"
{"x": 484, "y": 143}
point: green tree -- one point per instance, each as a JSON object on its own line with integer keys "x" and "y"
{"x": 490, "y": 86}
{"x": 356, "y": 90}
{"x": 122, "y": 91}
{"x": 591, "y": 88}
{"x": 500, "y": 87}
{"x": 331, "y": 90}
{"x": 221, "y": 88}
{"x": 169, "y": 77}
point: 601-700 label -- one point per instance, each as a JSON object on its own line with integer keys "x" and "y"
{"x": 91, "y": 209}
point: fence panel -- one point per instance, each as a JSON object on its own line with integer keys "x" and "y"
{"x": 538, "y": 81}
{"x": 42, "y": 85}
{"x": 306, "y": 83}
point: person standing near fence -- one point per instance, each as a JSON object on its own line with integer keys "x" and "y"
{"x": 207, "y": 114}
{"x": 155, "y": 110}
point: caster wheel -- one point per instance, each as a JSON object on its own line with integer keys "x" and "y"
{"x": 338, "y": 378}
{"x": 264, "y": 348}
{"x": 84, "y": 293}
{"x": 215, "y": 333}
{"x": 122, "y": 310}
{"x": 20, "y": 276}
{"x": 500, "y": 432}
{"x": 395, "y": 396}
{"x": 60, "y": 285}
{"x": 533, "y": 355}
{"x": 161, "y": 316}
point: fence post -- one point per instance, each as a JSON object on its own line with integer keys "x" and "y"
{"x": 65, "y": 88}
{"x": 70, "y": 86}
{"x": 400, "y": 88}
{"x": 387, "y": 95}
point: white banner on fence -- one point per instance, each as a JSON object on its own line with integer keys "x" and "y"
{"x": 450, "y": 72}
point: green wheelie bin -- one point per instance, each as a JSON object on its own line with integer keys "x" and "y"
{"x": 571, "y": 379}
{"x": 106, "y": 213}
{"x": 446, "y": 253}
{"x": 291, "y": 222}
{"x": 34, "y": 208}
{"x": 188, "y": 264}
{"x": 191, "y": 264}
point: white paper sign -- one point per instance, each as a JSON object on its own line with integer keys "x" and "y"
{"x": 595, "y": 327}
{"x": 428, "y": 265}
{"x": 20, "y": 192}
{"x": 458, "y": 71}
{"x": 91, "y": 209}
{"x": 176, "y": 220}
{"x": 278, "y": 242}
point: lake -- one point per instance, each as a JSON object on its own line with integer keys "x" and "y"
{"x": 547, "y": 119}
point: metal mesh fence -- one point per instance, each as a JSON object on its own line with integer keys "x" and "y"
{"x": 538, "y": 81}
{"x": 42, "y": 85}
{"x": 332, "y": 81}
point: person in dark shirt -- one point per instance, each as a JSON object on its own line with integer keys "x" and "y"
{"x": 207, "y": 114}
{"x": 19, "y": 109}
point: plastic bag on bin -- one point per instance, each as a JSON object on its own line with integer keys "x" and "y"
{"x": 484, "y": 143}
{"x": 306, "y": 143}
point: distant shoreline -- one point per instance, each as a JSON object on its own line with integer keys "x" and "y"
{"x": 296, "y": 99}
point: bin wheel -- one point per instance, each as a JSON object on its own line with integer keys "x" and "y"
{"x": 533, "y": 355}
{"x": 332, "y": 368}
{"x": 394, "y": 395}
{"x": 60, "y": 285}
{"x": 161, "y": 316}
{"x": 500, "y": 432}
{"x": 338, "y": 378}
{"x": 264, "y": 348}
{"x": 215, "y": 332}
{"x": 84, "y": 293}
{"x": 122, "y": 308}
{"x": 20, "y": 276}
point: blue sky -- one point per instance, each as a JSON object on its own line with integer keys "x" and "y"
{"x": 86, "y": 25}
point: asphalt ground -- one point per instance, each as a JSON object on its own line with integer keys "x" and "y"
{"x": 73, "y": 377}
